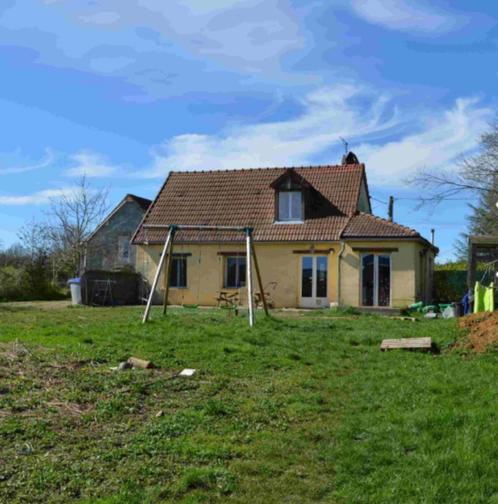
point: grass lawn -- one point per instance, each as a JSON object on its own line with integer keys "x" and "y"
{"x": 301, "y": 409}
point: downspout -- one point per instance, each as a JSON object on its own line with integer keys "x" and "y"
{"x": 339, "y": 257}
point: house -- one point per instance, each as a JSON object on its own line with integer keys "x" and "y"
{"x": 318, "y": 243}
{"x": 109, "y": 246}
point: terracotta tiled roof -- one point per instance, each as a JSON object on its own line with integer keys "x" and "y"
{"x": 366, "y": 225}
{"x": 246, "y": 198}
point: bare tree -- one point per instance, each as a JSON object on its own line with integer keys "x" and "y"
{"x": 474, "y": 176}
{"x": 72, "y": 218}
{"x": 15, "y": 255}
{"x": 36, "y": 239}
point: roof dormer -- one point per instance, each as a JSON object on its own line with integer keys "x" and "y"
{"x": 290, "y": 191}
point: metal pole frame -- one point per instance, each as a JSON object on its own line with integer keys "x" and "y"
{"x": 198, "y": 227}
{"x": 166, "y": 248}
{"x": 250, "y": 300}
{"x": 167, "y": 251}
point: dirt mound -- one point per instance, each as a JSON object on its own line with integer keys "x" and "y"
{"x": 483, "y": 331}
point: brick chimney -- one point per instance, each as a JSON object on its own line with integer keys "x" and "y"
{"x": 350, "y": 159}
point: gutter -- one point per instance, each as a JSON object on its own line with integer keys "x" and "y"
{"x": 339, "y": 257}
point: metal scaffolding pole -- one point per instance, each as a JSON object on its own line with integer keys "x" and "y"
{"x": 167, "y": 252}
{"x": 250, "y": 300}
{"x": 158, "y": 271}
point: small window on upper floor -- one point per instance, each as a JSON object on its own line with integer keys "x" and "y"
{"x": 290, "y": 206}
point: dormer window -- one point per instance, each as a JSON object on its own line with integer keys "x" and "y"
{"x": 290, "y": 196}
{"x": 290, "y": 206}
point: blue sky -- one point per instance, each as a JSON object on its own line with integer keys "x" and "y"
{"x": 126, "y": 91}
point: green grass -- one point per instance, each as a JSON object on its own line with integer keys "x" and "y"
{"x": 301, "y": 409}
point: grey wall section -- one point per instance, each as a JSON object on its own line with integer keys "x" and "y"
{"x": 103, "y": 250}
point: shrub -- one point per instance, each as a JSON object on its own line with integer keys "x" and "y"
{"x": 11, "y": 280}
{"x": 27, "y": 284}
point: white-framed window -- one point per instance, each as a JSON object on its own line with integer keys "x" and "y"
{"x": 235, "y": 272}
{"x": 178, "y": 273}
{"x": 124, "y": 249}
{"x": 290, "y": 206}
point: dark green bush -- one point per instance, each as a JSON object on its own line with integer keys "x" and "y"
{"x": 27, "y": 284}
{"x": 450, "y": 282}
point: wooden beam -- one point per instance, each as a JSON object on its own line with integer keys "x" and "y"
{"x": 258, "y": 276}
{"x": 179, "y": 227}
{"x": 167, "y": 272}
{"x": 314, "y": 251}
{"x": 471, "y": 265}
{"x": 238, "y": 253}
{"x": 140, "y": 363}
{"x": 407, "y": 344}
{"x": 376, "y": 249}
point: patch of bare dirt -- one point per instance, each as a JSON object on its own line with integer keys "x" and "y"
{"x": 482, "y": 331}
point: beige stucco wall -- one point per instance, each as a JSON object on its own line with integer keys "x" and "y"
{"x": 404, "y": 265}
{"x": 279, "y": 263}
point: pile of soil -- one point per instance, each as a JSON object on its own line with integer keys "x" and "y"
{"x": 483, "y": 331}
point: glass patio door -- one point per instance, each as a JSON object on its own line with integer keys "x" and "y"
{"x": 314, "y": 271}
{"x": 375, "y": 280}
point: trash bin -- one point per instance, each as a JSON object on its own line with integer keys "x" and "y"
{"x": 75, "y": 286}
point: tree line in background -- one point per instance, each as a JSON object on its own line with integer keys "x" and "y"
{"x": 51, "y": 251}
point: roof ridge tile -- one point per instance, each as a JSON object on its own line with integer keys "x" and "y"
{"x": 263, "y": 168}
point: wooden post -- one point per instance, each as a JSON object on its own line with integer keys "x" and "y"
{"x": 158, "y": 273}
{"x": 472, "y": 265}
{"x": 167, "y": 272}
{"x": 258, "y": 276}
{"x": 249, "y": 276}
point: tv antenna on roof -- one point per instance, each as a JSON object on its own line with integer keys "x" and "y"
{"x": 346, "y": 145}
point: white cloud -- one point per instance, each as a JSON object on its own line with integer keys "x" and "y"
{"x": 43, "y": 163}
{"x": 90, "y": 164}
{"x": 406, "y": 15}
{"x": 129, "y": 39}
{"x": 343, "y": 111}
{"x": 442, "y": 138}
{"x": 393, "y": 149}
{"x": 37, "y": 198}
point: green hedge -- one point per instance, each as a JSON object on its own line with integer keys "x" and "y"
{"x": 18, "y": 284}
{"x": 449, "y": 285}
